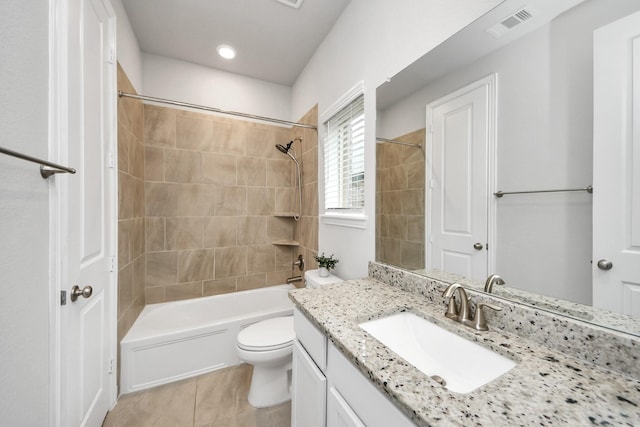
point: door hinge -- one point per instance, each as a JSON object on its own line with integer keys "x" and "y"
{"x": 112, "y": 267}
{"x": 112, "y": 55}
{"x": 63, "y": 297}
{"x": 110, "y": 371}
{"x": 430, "y": 128}
{"x": 111, "y": 160}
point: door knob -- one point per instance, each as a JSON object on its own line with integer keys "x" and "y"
{"x": 85, "y": 292}
{"x": 478, "y": 246}
{"x": 604, "y": 264}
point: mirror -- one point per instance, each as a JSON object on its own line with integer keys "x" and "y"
{"x": 542, "y": 54}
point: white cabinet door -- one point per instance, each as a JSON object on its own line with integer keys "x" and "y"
{"x": 368, "y": 404}
{"x": 308, "y": 394}
{"x": 339, "y": 413}
{"x": 616, "y": 154}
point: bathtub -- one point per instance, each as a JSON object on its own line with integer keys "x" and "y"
{"x": 175, "y": 340}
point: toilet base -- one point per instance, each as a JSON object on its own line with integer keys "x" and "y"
{"x": 270, "y": 387}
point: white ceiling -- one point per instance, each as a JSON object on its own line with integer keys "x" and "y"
{"x": 274, "y": 41}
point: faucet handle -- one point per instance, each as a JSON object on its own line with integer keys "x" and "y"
{"x": 480, "y": 323}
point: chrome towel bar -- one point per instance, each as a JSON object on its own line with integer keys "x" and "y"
{"x": 499, "y": 194}
{"x": 46, "y": 168}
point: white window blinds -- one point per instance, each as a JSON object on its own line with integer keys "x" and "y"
{"x": 344, "y": 158}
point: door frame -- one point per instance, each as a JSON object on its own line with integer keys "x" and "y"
{"x": 491, "y": 82}
{"x": 58, "y": 213}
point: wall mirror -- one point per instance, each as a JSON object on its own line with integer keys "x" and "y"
{"x": 540, "y": 60}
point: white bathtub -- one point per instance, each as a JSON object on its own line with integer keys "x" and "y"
{"x": 175, "y": 340}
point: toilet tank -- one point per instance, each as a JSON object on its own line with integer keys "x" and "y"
{"x": 313, "y": 280}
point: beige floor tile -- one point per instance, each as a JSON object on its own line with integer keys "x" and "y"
{"x": 222, "y": 394}
{"x": 277, "y": 416}
{"x": 217, "y": 399}
{"x": 170, "y": 405}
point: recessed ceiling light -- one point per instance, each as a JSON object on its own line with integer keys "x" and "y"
{"x": 292, "y": 3}
{"x": 226, "y": 51}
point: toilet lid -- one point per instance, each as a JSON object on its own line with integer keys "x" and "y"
{"x": 270, "y": 334}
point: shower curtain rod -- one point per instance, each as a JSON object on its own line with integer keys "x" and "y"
{"x": 215, "y": 110}
{"x": 393, "y": 141}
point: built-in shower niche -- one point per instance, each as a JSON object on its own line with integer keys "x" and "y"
{"x": 286, "y": 242}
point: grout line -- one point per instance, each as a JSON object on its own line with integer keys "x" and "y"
{"x": 195, "y": 402}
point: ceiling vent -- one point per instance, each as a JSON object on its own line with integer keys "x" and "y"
{"x": 506, "y": 24}
{"x": 291, "y": 3}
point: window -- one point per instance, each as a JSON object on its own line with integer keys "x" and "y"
{"x": 344, "y": 158}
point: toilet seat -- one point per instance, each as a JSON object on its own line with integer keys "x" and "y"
{"x": 267, "y": 335}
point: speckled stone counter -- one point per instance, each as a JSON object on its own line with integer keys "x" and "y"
{"x": 546, "y": 387}
{"x": 605, "y": 318}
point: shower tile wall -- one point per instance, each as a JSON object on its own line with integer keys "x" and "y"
{"x": 400, "y": 202}
{"x": 131, "y": 245}
{"x": 306, "y": 230}
{"x": 212, "y": 186}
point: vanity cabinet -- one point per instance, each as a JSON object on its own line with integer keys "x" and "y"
{"x": 308, "y": 391}
{"x": 309, "y": 384}
{"x": 339, "y": 413}
{"x": 370, "y": 407}
{"x": 328, "y": 390}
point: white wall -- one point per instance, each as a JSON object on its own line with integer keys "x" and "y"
{"x": 183, "y": 81}
{"x": 372, "y": 40}
{"x": 129, "y": 54}
{"x": 24, "y": 305}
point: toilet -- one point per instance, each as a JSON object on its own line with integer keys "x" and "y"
{"x": 268, "y": 346}
{"x": 313, "y": 280}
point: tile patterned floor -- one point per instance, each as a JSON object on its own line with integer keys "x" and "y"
{"x": 217, "y": 399}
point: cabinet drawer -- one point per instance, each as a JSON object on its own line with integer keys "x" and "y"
{"x": 313, "y": 341}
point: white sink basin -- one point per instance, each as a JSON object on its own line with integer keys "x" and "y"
{"x": 461, "y": 364}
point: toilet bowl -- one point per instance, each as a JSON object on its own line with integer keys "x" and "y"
{"x": 268, "y": 346}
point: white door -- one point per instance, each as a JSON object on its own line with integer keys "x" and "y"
{"x": 460, "y": 143}
{"x": 616, "y": 176}
{"x": 88, "y": 323}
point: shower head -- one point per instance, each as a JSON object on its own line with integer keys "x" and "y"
{"x": 285, "y": 149}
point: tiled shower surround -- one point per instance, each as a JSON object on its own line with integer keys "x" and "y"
{"x": 215, "y": 189}
{"x": 202, "y": 199}
{"x": 131, "y": 251}
{"x": 400, "y": 201}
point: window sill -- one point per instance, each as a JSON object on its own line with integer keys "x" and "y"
{"x": 351, "y": 220}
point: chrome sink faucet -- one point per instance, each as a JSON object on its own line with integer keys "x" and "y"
{"x": 463, "y": 314}
{"x": 494, "y": 279}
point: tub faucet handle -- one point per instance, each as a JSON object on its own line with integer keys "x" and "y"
{"x": 300, "y": 262}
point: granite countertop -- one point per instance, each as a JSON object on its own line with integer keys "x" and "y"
{"x": 545, "y": 388}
